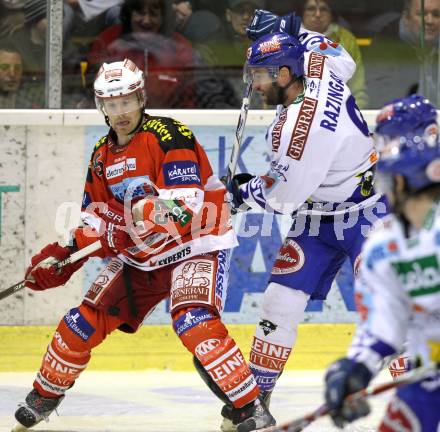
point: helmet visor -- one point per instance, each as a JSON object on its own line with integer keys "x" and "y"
{"x": 260, "y": 74}
{"x": 389, "y": 147}
{"x": 121, "y": 104}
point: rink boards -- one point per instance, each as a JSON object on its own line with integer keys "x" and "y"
{"x": 44, "y": 161}
{"x": 157, "y": 347}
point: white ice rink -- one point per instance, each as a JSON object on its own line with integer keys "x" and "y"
{"x": 156, "y": 401}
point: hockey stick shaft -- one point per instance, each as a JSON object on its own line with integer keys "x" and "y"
{"x": 82, "y": 253}
{"x": 239, "y": 133}
{"x": 300, "y": 424}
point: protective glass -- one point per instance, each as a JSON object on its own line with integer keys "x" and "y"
{"x": 260, "y": 74}
{"x": 120, "y": 105}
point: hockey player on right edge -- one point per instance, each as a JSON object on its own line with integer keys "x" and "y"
{"x": 398, "y": 288}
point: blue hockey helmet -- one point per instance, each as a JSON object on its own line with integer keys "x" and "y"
{"x": 271, "y": 52}
{"x": 406, "y": 138}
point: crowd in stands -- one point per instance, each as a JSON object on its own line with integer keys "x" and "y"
{"x": 192, "y": 52}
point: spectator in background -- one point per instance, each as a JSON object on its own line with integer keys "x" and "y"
{"x": 30, "y": 41}
{"x": 11, "y": 69}
{"x": 239, "y": 14}
{"x": 83, "y": 20}
{"x": 147, "y": 38}
{"x": 183, "y": 11}
{"x": 411, "y": 22}
{"x": 85, "y": 10}
{"x": 195, "y": 25}
{"x": 229, "y": 46}
{"x": 425, "y": 40}
{"x": 12, "y": 17}
{"x": 227, "y": 49}
{"x": 212, "y": 90}
{"x": 403, "y": 57}
{"x": 19, "y": 15}
{"x": 321, "y": 16}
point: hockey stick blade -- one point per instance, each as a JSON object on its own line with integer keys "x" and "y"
{"x": 410, "y": 377}
{"x": 232, "y": 165}
{"x": 82, "y": 253}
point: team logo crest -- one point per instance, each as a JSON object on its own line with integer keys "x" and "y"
{"x": 113, "y": 74}
{"x": 191, "y": 275}
{"x": 206, "y": 346}
{"x": 270, "y": 46}
{"x": 290, "y": 258}
{"x": 267, "y": 326}
{"x": 193, "y": 282}
{"x": 98, "y": 165}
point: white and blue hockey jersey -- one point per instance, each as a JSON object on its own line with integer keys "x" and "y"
{"x": 320, "y": 145}
{"x": 398, "y": 293}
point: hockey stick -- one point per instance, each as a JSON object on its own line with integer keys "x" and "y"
{"x": 232, "y": 165}
{"x": 408, "y": 378}
{"x": 82, "y": 253}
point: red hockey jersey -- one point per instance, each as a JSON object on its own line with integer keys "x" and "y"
{"x": 163, "y": 159}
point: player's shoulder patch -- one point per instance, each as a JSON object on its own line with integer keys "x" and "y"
{"x": 315, "y": 65}
{"x": 96, "y": 163}
{"x": 101, "y": 142}
{"x": 171, "y": 133}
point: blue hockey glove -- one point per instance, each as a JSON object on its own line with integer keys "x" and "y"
{"x": 234, "y": 196}
{"x": 265, "y": 22}
{"x": 343, "y": 378}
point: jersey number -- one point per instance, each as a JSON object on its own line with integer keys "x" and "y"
{"x": 356, "y": 116}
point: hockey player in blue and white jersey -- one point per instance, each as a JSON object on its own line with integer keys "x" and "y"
{"x": 265, "y": 22}
{"x": 398, "y": 286}
{"x": 321, "y": 172}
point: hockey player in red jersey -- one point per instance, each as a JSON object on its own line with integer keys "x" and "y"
{"x": 159, "y": 212}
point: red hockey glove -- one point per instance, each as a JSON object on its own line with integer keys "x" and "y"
{"x": 120, "y": 232}
{"x": 114, "y": 237}
{"x": 42, "y": 274}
